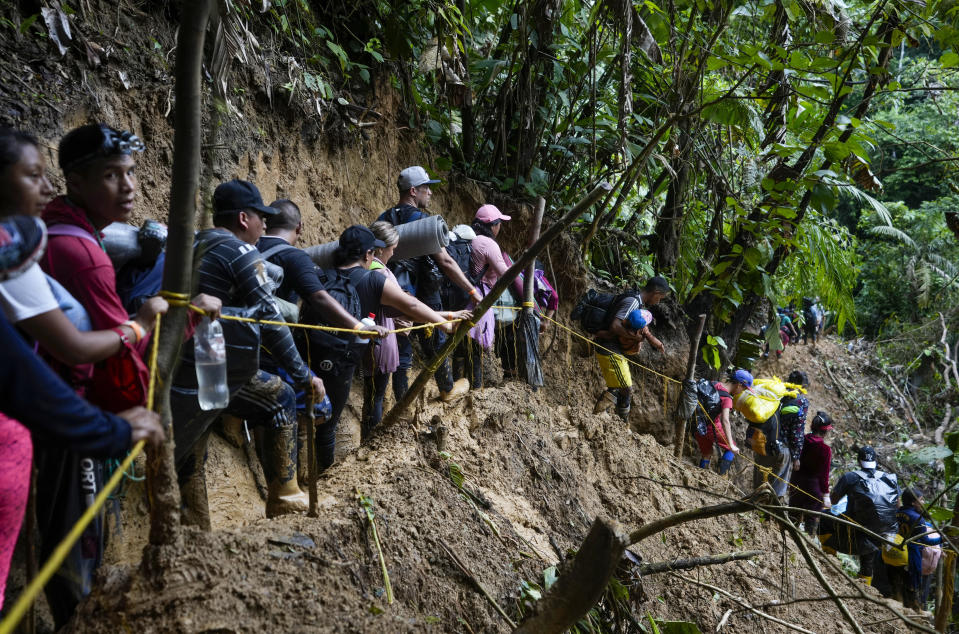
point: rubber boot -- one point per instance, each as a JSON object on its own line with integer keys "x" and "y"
{"x": 726, "y": 462}
{"x": 283, "y": 491}
{"x": 604, "y": 402}
{"x": 460, "y": 389}
{"x": 704, "y": 463}
{"x": 196, "y": 506}
{"x": 866, "y": 580}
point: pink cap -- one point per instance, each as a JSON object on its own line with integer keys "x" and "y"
{"x": 490, "y": 213}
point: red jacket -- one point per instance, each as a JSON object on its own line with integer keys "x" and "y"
{"x": 86, "y": 271}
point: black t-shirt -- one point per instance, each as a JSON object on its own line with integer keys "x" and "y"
{"x": 421, "y": 271}
{"x": 369, "y": 287}
{"x": 299, "y": 272}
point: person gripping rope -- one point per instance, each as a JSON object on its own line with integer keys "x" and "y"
{"x": 715, "y": 399}
{"x": 421, "y": 277}
{"x": 872, "y": 499}
{"x": 232, "y": 269}
{"x": 810, "y": 479}
{"x": 335, "y": 357}
{"x": 764, "y": 437}
{"x": 625, "y": 332}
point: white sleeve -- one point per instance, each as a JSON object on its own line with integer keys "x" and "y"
{"x": 26, "y": 296}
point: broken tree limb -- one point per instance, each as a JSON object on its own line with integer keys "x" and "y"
{"x": 162, "y": 486}
{"x": 744, "y": 603}
{"x": 582, "y": 584}
{"x": 695, "y": 562}
{"x": 702, "y": 513}
{"x": 679, "y": 438}
{"x": 804, "y": 549}
{"x": 841, "y": 390}
{"x": 505, "y": 281}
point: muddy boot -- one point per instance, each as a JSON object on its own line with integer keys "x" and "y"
{"x": 232, "y": 430}
{"x": 460, "y": 388}
{"x": 195, "y": 506}
{"x": 284, "y": 495}
{"x": 604, "y": 402}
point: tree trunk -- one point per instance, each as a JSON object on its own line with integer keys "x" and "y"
{"x": 177, "y": 271}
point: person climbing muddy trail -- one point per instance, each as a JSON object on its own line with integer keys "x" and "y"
{"x": 566, "y": 316}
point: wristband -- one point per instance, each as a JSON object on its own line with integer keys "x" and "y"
{"x": 475, "y": 293}
{"x": 124, "y": 340}
{"x": 137, "y": 329}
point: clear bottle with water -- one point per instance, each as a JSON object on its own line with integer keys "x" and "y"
{"x": 368, "y": 323}
{"x": 209, "y": 351}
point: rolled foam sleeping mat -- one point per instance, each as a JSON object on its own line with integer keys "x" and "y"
{"x": 420, "y": 237}
{"x": 322, "y": 254}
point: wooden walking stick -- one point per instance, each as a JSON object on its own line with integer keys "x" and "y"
{"x": 311, "y": 475}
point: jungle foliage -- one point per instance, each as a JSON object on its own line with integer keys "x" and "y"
{"x": 752, "y": 144}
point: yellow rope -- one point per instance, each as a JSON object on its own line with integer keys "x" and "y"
{"x": 63, "y": 548}
{"x": 174, "y": 300}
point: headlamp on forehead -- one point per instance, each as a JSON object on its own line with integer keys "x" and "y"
{"x": 95, "y": 141}
{"x": 125, "y": 142}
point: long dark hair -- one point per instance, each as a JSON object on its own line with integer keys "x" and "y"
{"x": 484, "y": 228}
{"x": 11, "y": 146}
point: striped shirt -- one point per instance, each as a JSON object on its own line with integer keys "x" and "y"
{"x": 233, "y": 271}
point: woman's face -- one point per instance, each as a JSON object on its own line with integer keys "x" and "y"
{"x": 496, "y": 228}
{"x": 385, "y": 254}
{"x": 26, "y": 188}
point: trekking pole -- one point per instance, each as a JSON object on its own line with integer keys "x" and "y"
{"x": 311, "y": 456}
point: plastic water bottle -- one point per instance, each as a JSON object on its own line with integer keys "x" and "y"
{"x": 368, "y": 323}
{"x": 209, "y": 351}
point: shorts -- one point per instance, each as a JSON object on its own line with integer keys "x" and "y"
{"x": 615, "y": 370}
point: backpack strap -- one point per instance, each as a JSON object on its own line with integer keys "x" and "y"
{"x": 279, "y": 248}
{"x": 74, "y": 231}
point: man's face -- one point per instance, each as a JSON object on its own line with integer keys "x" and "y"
{"x": 105, "y": 188}
{"x": 654, "y": 298}
{"x": 422, "y": 196}
{"x": 26, "y": 187}
{"x": 253, "y": 224}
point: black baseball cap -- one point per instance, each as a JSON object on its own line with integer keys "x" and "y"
{"x": 237, "y": 195}
{"x": 359, "y": 239}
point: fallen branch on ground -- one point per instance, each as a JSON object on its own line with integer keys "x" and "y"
{"x": 744, "y": 603}
{"x": 695, "y": 562}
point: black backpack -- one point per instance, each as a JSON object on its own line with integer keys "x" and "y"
{"x": 341, "y": 286}
{"x": 873, "y": 500}
{"x": 595, "y": 310}
{"x": 709, "y": 397}
{"x": 454, "y": 297}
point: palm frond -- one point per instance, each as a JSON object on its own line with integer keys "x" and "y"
{"x": 828, "y": 268}
{"x": 888, "y": 231}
